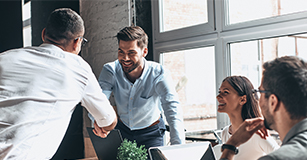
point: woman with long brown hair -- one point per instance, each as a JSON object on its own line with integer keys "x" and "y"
{"x": 237, "y": 99}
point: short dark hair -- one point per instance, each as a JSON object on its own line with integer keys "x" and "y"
{"x": 244, "y": 87}
{"x": 286, "y": 77}
{"x": 64, "y": 24}
{"x": 133, "y": 33}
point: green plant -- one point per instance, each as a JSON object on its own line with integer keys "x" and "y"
{"x": 130, "y": 151}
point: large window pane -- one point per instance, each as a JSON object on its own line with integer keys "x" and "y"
{"x": 194, "y": 73}
{"x": 247, "y": 57}
{"x": 247, "y": 10}
{"x": 177, "y": 14}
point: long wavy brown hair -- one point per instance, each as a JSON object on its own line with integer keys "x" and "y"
{"x": 244, "y": 87}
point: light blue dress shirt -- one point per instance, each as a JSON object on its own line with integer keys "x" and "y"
{"x": 138, "y": 103}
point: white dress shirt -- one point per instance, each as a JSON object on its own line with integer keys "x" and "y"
{"x": 39, "y": 89}
{"x": 254, "y": 148}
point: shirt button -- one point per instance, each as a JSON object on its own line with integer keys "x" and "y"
{"x": 131, "y": 98}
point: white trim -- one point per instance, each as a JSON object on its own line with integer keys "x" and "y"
{"x": 196, "y": 30}
{"x": 295, "y": 26}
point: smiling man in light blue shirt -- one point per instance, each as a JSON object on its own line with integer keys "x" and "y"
{"x": 138, "y": 87}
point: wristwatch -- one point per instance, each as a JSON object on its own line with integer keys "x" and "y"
{"x": 230, "y": 147}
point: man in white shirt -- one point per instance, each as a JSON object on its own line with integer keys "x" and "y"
{"x": 40, "y": 87}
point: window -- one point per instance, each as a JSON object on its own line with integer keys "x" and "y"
{"x": 238, "y": 36}
{"x": 194, "y": 75}
{"x": 177, "y": 14}
{"x": 247, "y": 10}
{"x": 181, "y": 18}
{"x": 26, "y": 18}
{"x": 247, "y": 57}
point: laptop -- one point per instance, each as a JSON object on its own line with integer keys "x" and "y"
{"x": 106, "y": 148}
{"x": 190, "y": 151}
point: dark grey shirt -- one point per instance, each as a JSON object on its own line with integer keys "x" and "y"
{"x": 294, "y": 145}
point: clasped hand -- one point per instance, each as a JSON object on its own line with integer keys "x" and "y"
{"x": 100, "y": 131}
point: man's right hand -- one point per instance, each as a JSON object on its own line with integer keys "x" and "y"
{"x": 246, "y": 131}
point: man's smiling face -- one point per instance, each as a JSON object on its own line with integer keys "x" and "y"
{"x": 130, "y": 55}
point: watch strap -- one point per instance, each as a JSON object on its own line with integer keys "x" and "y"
{"x": 230, "y": 147}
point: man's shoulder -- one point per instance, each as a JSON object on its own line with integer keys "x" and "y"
{"x": 16, "y": 50}
{"x": 114, "y": 65}
{"x": 155, "y": 67}
{"x": 291, "y": 150}
{"x": 153, "y": 64}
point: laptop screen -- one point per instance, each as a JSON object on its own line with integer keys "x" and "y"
{"x": 191, "y": 151}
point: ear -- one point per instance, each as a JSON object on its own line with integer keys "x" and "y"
{"x": 145, "y": 51}
{"x": 75, "y": 45}
{"x": 43, "y": 34}
{"x": 243, "y": 100}
{"x": 274, "y": 103}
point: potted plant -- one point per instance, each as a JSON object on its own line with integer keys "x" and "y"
{"x": 130, "y": 151}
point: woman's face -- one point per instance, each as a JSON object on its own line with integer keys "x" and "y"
{"x": 228, "y": 99}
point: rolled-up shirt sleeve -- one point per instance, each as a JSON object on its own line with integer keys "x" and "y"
{"x": 171, "y": 106}
{"x": 97, "y": 103}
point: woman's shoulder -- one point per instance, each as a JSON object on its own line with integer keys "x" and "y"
{"x": 226, "y": 128}
{"x": 268, "y": 144}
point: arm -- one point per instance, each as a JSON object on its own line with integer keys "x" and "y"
{"x": 104, "y": 131}
{"x": 106, "y": 80}
{"x": 171, "y": 107}
{"x": 243, "y": 134}
{"x": 99, "y": 107}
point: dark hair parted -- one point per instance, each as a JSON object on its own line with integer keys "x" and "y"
{"x": 244, "y": 87}
{"x": 64, "y": 24}
{"x": 133, "y": 33}
{"x": 286, "y": 77}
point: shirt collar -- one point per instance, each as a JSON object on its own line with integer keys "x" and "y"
{"x": 296, "y": 129}
{"x": 145, "y": 69}
{"x": 51, "y": 46}
{"x": 143, "y": 73}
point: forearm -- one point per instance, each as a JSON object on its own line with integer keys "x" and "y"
{"x": 173, "y": 114}
{"x": 111, "y": 126}
{"x": 227, "y": 155}
{"x": 176, "y": 126}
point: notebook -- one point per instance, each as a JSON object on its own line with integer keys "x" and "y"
{"x": 106, "y": 148}
{"x": 190, "y": 151}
